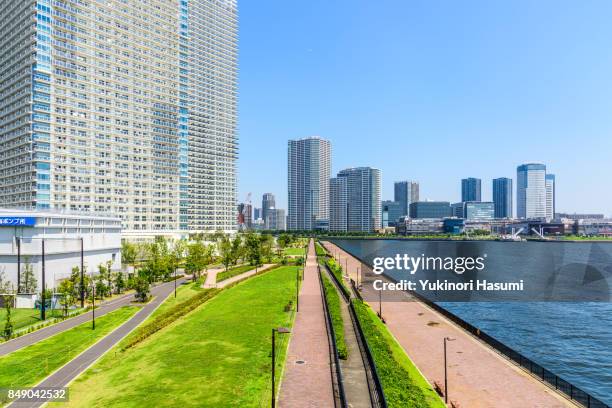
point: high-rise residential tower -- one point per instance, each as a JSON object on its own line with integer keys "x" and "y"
{"x": 550, "y": 196}
{"x": 363, "y": 198}
{"x": 268, "y": 201}
{"x": 338, "y": 204}
{"x": 406, "y": 192}
{"x": 309, "y": 168}
{"x": 531, "y": 190}
{"x": 470, "y": 189}
{"x": 127, "y": 107}
{"x": 502, "y": 197}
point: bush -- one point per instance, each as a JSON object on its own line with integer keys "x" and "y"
{"x": 336, "y": 270}
{"x": 320, "y": 251}
{"x": 333, "y": 306}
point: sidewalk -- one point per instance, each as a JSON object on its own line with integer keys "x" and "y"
{"x": 308, "y": 384}
{"x": 477, "y": 376}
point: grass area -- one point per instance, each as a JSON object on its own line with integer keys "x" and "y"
{"x": 293, "y": 251}
{"x": 336, "y": 269}
{"x": 26, "y": 317}
{"x": 320, "y": 251}
{"x": 231, "y": 272}
{"x": 403, "y": 384}
{"x": 183, "y": 293}
{"x": 216, "y": 356}
{"x": 333, "y": 305}
{"x": 28, "y": 366}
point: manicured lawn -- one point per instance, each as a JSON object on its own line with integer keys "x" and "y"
{"x": 333, "y": 305}
{"x": 294, "y": 251}
{"x": 28, "y": 366}
{"x": 25, "y": 317}
{"x": 403, "y": 384}
{"x": 320, "y": 251}
{"x": 231, "y": 272}
{"x": 183, "y": 293}
{"x": 216, "y": 356}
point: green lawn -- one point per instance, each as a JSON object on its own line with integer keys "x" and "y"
{"x": 25, "y": 317}
{"x": 293, "y": 251}
{"x": 319, "y": 249}
{"x": 216, "y": 356}
{"x": 333, "y": 305}
{"x": 231, "y": 272}
{"x": 403, "y": 384}
{"x": 28, "y": 366}
{"x": 183, "y": 293}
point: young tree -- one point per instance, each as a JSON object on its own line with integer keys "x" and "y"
{"x": 142, "y": 287}
{"x": 28, "y": 281}
{"x": 196, "y": 259}
{"x": 101, "y": 288}
{"x": 128, "y": 253}
{"x": 119, "y": 282}
{"x": 252, "y": 246}
{"x": 66, "y": 289}
{"x": 267, "y": 242}
{"x": 8, "y": 297}
{"x": 224, "y": 247}
{"x": 237, "y": 249}
{"x": 109, "y": 276}
{"x": 282, "y": 242}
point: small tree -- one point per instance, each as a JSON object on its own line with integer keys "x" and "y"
{"x": 28, "y": 281}
{"x": 142, "y": 287}
{"x": 128, "y": 253}
{"x": 8, "y": 296}
{"x": 196, "y": 258}
{"x": 119, "y": 282}
{"x": 266, "y": 246}
{"x": 109, "y": 276}
{"x": 237, "y": 249}
{"x": 66, "y": 289}
{"x": 224, "y": 246}
{"x": 252, "y": 245}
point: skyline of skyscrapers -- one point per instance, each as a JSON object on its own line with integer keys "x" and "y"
{"x": 309, "y": 170}
{"x": 550, "y": 196}
{"x": 126, "y": 108}
{"x": 471, "y": 189}
{"x": 405, "y": 192}
{"x": 502, "y": 197}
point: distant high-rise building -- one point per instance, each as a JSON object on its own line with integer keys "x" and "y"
{"x": 391, "y": 213}
{"x": 430, "y": 209}
{"x": 363, "y": 198}
{"x": 502, "y": 197}
{"x": 268, "y": 201}
{"x": 470, "y": 189}
{"x": 531, "y": 190}
{"x": 309, "y": 169}
{"x": 406, "y": 192}
{"x": 245, "y": 215}
{"x": 257, "y": 214}
{"x": 550, "y": 196}
{"x": 275, "y": 219}
{"x": 338, "y": 204}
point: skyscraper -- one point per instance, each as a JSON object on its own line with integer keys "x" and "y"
{"x": 470, "y": 189}
{"x": 550, "y": 196}
{"x": 309, "y": 168}
{"x": 531, "y": 190}
{"x": 502, "y": 197}
{"x": 391, "y": 213}
{"x": 363, "y": 198}
{"x": 111, "y": 107}
{"x": 268, "y": 201}
{"x": 406, "y": 192}
{"x": 338, "y": 204}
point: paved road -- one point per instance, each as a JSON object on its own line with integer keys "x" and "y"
{"x": 478, "y": 377}
{"x": 63, "y": 376}
{"x": 309, "y": 383}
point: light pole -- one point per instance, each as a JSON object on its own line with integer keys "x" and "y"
{"x": 93, "y": 303}
{"x": 18, "y": 239}
{"x": 82, "y": 277}
{"x": 445, "y": 370}
{"x": 280, "y": 330}
{"x": 43, "y": 308}
{"x": 297, "y": 290}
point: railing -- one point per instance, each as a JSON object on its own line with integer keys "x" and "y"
{"x": 332, "y": 333}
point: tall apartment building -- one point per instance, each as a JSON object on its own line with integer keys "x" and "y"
{"x": 531, "y": 190}
{"x": 502, "y": 197}
{"x": 338, "y": 204}
{"x": 124, "y": 107}
{"x": 470, "y": 189}
{"x": 550, "y": 196}
{"x": 268, "y": 202}
{"x": 405, "y": 193}
{"x": 309, "y": 168}
{"x": 363, "y": 199}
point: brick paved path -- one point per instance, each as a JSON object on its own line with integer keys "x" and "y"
{"x": 308, "y": 384}
{"x": 477, "y": 375}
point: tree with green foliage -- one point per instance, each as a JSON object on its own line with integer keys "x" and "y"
{"x": 283, "y": 241}
{"x": 128, "y": 253}
{"x": 252, "y": 248}
{"x": 8, "y": 297}
{"x": 100, "y": 282}
{"x": 177, "y": 255}
{"x": 28, "y": 282}
{"x": 237, "y": 250}
{"x": 66, "y": 290}
{"x": 119, "y": 282}
{"x": 141, "y": 287}
{"x": 267, "y": 243}
{"x": 196, "y": 259}
{"x": 224, "y": 247}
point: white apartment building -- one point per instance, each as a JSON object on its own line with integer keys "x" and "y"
{"x": 531, "y": 190}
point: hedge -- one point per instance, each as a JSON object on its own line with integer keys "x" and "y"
{"x": 336, "y": 269}
{"x": 333, "y": 306}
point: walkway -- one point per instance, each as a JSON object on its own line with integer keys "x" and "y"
{"x": 72, "y": 369}
{"x": 243, "y": 275}
{"x": 46, "y": 332}
{"x": 477, "y": 375}
{"x": 308, "y": 384}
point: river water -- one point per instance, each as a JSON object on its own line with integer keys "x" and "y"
{"x": 571, "y": 339}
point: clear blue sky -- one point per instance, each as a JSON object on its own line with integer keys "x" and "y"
{"x": 430, "y": 90}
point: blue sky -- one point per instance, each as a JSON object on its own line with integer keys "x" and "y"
{"x": 430, "y": 90}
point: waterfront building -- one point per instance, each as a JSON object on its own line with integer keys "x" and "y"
{"x": 391, "y": 213}
{"x": 454, "y": 225}
{"x": 405, "y": 193}
{"x": 531, "y": 190}
{"x": 430, "y": 209}
{"x": 457, "y": 210}
{"x": 363, "y": 198}
{"x": 309, "y": 169}
{"x": 423, "y": 226}
{"x": 338, "y": 204}
{"x": 576, "y": 216}
{"x": 22, "y": 233}
{"x": 550, "y": 196}
{"x": 275, "y": 219}
{"x": 473, "y": 210}
{"x": 268, "y": 201}
{"x": 593, "y": 227}
{"x": 470, "y": 189}
{"x": 114, "y": 108}
{"x": 502, "y": 197}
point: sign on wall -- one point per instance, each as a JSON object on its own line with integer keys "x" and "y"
{"x": 17, "y": 221}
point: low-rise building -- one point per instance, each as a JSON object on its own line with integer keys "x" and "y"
{"x": 420, "y": 226}
{"x": 430, "y": 209}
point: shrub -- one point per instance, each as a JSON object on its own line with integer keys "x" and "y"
{"x": 336, "y": 270}
{"x": 333, "y": 306}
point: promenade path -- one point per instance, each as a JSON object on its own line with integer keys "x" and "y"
{"x": 243, "y": 275}
{"x": 477, "y": 375}
{"x": 64, "y": 375}
{"x": 308, "y": 384}
{"x": 46, "y": 332}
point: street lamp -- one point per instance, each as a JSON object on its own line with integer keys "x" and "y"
{"x": 297, "y": 290}
{"x": 93, "y": 303}
{"x": 445, "y": 370}
{"x": 280, "y": 330}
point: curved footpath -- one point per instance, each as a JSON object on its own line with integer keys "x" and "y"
{"x": 308, "y": 384}
{"x": 64, "y": 375}
{"x": 478, "y": 376}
